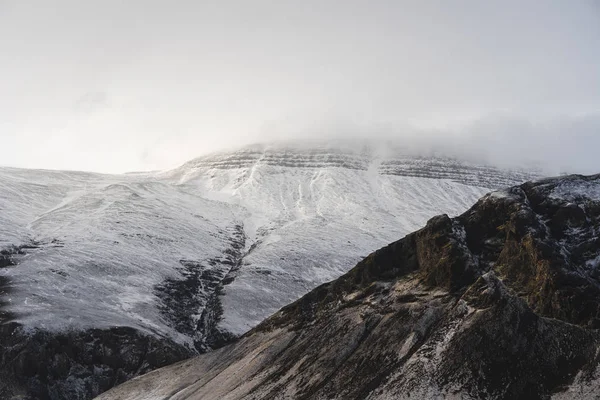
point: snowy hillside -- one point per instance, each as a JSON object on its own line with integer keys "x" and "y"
{"x": 311, "y": 212}
{"x": 212, "y": 248}
{"x": 95, "y": 248}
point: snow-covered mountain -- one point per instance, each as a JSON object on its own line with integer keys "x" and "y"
{"x": 185, "y": 259}
{"x": 501, "y": 302}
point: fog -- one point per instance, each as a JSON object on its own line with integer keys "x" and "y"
{"x": 114, "y": 86}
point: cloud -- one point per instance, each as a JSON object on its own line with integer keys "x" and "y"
{"x": 91, "y": 101}
{"x": 567, "y": 144}
{"x": 558, "y": 145}
{"x": 147, "y": 85}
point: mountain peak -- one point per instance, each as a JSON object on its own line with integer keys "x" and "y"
{"x": 378, "y": 157}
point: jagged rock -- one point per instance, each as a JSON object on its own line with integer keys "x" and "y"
{"x": 501, "y": 302}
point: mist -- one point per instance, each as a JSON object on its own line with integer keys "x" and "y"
{"x": 144, "y": 85}
{"x": 560, "y": 145}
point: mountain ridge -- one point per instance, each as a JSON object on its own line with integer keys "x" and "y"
{"x": 390, "y": 159}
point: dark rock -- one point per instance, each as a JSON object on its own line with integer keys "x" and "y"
{"x": 77, "y": 365}
{"x": 198, "y": 292}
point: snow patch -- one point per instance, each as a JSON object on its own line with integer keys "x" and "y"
{"x": 571, "y": 190}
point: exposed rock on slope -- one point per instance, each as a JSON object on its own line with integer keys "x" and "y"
{"x": 78, "y": 364}
{"x": 501, "y": 302}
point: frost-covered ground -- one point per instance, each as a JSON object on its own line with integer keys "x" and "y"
{"x": 98, "y": 248}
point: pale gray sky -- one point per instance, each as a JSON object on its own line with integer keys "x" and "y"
{"x": 115, "y": 86}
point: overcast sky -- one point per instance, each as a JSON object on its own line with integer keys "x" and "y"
{"x": 115, "y": 86}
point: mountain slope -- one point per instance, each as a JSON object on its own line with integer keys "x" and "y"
{"x": 313, "y": 211}
{"x": 501, "y": 302}
{"x": 137, "y": 271}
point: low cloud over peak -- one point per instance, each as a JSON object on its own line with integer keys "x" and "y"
{"x": 114, "y": 87}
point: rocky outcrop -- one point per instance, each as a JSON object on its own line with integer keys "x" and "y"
{"x": 40, "y": 365}
{"x": 501, "y": 302}
{"x": 455, "y": 170}
{"x": 193, "y": 304}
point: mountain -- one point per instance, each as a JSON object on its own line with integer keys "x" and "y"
{"x": 501, "y": 302}
{"x": 105, "y": 277}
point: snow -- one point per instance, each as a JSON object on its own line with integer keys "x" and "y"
{"x": 102, "y": 250}
{"x": 593, "y": 263}
{"x": 570, "y": 190}
{"x": 325, "y": 221}
{"x": 501, "y": 194}
{"x": 106, "y": 241}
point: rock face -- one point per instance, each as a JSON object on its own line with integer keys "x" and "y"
{"x": 502, "y": 302}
